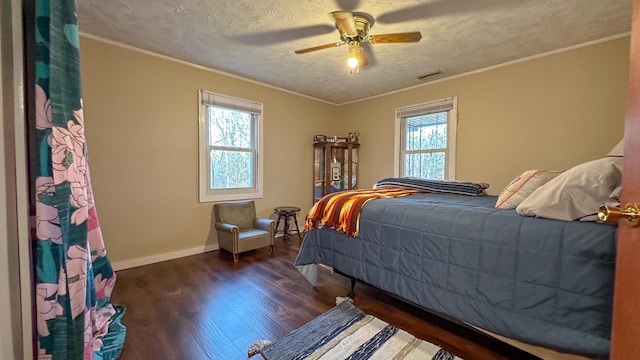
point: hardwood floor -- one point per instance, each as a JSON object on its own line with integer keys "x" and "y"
{"x": 208, "y": 307}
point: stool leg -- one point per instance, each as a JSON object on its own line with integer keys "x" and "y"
{"x": 295, "y": 219}
{"x": 286, "y": 228}
{"x": 275, "y": 232}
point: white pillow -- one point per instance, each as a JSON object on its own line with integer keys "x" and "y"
{"x": 615, "y": 194}
{"x": 575, "y": 193}
{"x": 617, "y": 150}
{"x": 614, "y": 200}
{"x": 522, "y": 186}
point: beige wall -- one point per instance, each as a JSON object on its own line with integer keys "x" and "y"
{"x": 142, "y": 133}
{"x": 141, "y": 123}
{"x": 551, "y": 113}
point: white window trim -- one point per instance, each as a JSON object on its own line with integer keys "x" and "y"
{"x": 452, "y": 125}
{"x": 203, "y": 159}
{"x": 16, "y": 314}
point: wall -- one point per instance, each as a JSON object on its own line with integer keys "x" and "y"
{"x": 551, "y": 112}
{"x": 141, "y": 118}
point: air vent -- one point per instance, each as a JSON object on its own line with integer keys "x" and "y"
{"x": 429, "y": 75}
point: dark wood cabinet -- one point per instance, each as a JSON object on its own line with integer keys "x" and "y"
{"x": 335, "y": 165}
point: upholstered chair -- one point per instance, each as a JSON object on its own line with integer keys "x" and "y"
{"x": 238, "y": 228}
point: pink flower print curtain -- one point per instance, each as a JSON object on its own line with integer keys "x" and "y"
{"x": 73, "y": 276}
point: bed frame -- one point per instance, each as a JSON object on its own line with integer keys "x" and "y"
{"x": 451, "y": 325}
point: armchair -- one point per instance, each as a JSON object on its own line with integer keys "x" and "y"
{"x": 238, "y": 228}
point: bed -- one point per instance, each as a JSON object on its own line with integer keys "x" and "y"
{"x": 542, "y": 281}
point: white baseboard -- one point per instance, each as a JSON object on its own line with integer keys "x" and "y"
{"x": 127, "y": 264}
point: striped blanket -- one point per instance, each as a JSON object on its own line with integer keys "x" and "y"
{"x": 435, "y": 186}
{"x": 341, "y": 211}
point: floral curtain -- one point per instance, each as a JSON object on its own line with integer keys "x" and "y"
{"x": 73, "y": 276}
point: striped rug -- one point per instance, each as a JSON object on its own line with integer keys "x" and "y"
{"x": 345, "y": 332}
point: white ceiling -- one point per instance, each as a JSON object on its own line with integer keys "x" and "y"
{"x": 256, "y": 39}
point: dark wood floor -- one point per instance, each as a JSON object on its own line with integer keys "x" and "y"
{"x": 207, "y": 307}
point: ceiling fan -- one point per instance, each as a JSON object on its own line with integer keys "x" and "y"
{"x": 354, "y": 30}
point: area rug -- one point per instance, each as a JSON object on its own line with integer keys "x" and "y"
{"x": 345, "y": 332}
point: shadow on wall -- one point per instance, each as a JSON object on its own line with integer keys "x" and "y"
{"x": 212, "y": 238}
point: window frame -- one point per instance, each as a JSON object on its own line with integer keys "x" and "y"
{"x": 450, "y": 105}
{"x": 208, "y": 98}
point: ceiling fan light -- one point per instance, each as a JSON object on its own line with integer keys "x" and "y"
{"x": 352, "y": 61}
{"x": 354, "y": 52}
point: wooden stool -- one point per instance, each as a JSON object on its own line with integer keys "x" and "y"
{"x": 286, "y": 213}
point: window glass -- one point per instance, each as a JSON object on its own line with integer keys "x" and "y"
{"x": 231, "y": 170}
{"x": 231, "y": 128}
{"x": 427, "y": 131}
{"x": 425, "y": 165}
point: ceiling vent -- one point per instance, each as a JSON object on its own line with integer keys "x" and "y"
{"x": 429, "y": 75}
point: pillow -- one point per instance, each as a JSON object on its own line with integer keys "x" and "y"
{"x": 617, "y": 150}
{"x": 614, "y": 200}
{"x": 615, "y": 194}
{"x": 575, "y": 193}
{"x": 522, "y": 186}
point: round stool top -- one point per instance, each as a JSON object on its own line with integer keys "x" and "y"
{"x": 286, "y": 209}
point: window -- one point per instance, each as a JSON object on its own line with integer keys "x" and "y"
{"x": 425, "y": 140}
{"x": 230, "y": 148}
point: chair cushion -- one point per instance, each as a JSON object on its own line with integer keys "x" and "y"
{"x": 245, "y": 234}
{"x": 252, "y": 239}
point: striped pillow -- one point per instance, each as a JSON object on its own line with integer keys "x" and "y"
{"x": 522, "y": 186}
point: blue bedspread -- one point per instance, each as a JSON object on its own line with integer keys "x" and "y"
{"x": 545, "y": 282}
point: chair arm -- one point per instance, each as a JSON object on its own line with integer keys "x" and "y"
{"x": 227, "y": 227}
{"x": 264, "y": 224}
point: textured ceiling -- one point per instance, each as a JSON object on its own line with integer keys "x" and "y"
{"x": 256, "y": 39}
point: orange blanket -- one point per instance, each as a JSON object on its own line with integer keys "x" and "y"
{"x": 341, "y": 211}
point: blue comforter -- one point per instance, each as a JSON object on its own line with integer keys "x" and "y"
{"x": 546, "y": 282}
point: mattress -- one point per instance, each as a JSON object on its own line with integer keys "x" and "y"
{"x": 541, "y": 281}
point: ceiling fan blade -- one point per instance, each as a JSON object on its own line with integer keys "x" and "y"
{"x": 368, "y": 51}
{"x": 345, "y": 22}
{"x": 279, "y": 36}
{"x": 316, "y": 48}
{"x": 396, "y": 38}
{"x": 348, "y": 5}
{"x": 362, "y": 58}
{"x": 438, "y": 8}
